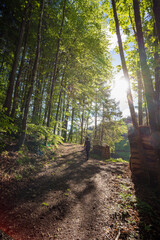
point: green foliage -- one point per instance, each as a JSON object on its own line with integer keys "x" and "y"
{"x": 115, "y": 160}
{"x": 45, "y": 204}
{"x": 122, "y": 149}
{"x": 23, "y": 157}
{"x": 6, "y": 123}
{"x": 7, "y": 129}
{"x": 37, "y": 135}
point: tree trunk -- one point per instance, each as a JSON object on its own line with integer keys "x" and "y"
{"x": 58, "y": 106}
{"x": 41, "y": 102}
{"x": 95, "y": 133}
{"x": 20, "y": 69}
{"x": 71, "y": 130}
{"x": 34, "y": 71}
{"x": 24, "y": 86}
{"x": 157, "y": 79}
{"x": 148, "y": 86}
{"x": 47, "y": 100}
{"x": 55, "y": 65}
{"x": 82, "y": 121}
{"x": 66, "y": 122}
{"x": 124, "y": 67}
{"x": 8, "y": 100}
{"x": 102, "y": 127}
{"x": 129, "y": 96}
{"x": 156, "y": 11}
{"x": 140, "y": 109}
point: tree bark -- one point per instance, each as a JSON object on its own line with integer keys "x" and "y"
{"x": 47, "y": 100}
{"x": 129, "y": 96}
{"x": 156, "y": 11}
{"x": 82, "y": 122}
{"x": 124, "y": 67}
{"x": 140, "y": 109}
{"x": 55, "y": 65}
{"x": 70, "y": 136}
{"x": 58, "y": 106}
{"x": 148, "y": 86}
{"x": 96, "y": 110}
{"x": 34, "y": 71}
{"x": 66, "y": 122}
{"x": 157, "y": 78}
{"x": 20, "y": 69}
{"x": 41, "y": 101}
{"x": 8, "y": 100}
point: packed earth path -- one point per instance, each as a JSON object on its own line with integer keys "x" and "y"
{"x": 69, "y": 198}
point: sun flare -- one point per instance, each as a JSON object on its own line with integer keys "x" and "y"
{"x": 120, "y": 89}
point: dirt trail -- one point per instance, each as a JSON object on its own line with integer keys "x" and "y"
{"x": 69, "y": 198}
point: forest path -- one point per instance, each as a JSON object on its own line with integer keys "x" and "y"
{"x": 69, "y": 198}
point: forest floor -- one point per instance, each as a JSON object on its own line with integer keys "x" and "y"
{"x": 65, "y": 197}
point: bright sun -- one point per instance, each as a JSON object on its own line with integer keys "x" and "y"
{"x": 120, "y": 89}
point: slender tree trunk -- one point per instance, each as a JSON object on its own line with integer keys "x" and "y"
{"x": 42, "y": 93}
{"x": 58, "y": 106}
{"x": 82, "y": 123}
{"x": 55, "y": 65}
{"x": 47, "y": 100}
{"x": 60, "y": 120}
{"x": 156, "y": 10}
{"x": 102, "y": 128}
{"x": 70, "y": 136}
{"x": 34, "y": 71}
{"x": 8, "y": 100}
{"x": 37, "y": 99}
{"x": 140, "y": 109}
{"x": 125, "y": 70}
{"x": 66, "y": 122}
{"x": 23, "y": 89}
{"x": 20, "y": 69}
{"x": 95, "y": 133}
{"x": 63, "y": 112}
{"x": 148, "y": 86}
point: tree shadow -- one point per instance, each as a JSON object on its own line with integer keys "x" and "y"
{"x": 148, "y": 206}
{"x": 28, "y": 197}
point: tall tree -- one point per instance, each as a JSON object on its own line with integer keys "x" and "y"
{"x": 34, "y": 71}
{"x": 21, "y": 67}
{"x": 55, "y": 64}
{"x": 8, "y": 100}
{"x": 124, "y": 66}
{"x": 156, "y": 10}
{"x": 149, "y": 92}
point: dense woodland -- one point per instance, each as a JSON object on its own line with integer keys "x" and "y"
{"x": 56, "y": 69}
{"x": 56, "y": 72}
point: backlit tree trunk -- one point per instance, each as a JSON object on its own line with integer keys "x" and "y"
{"x": 156, "y": 10}
{"x": 129, "y": 97}
{"x": 148, "y": 86}
{"x": 124, "y": 67}
{"x": 140, "y": 109}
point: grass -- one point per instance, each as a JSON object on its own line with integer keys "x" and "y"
{"x": 116, "y": 160}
